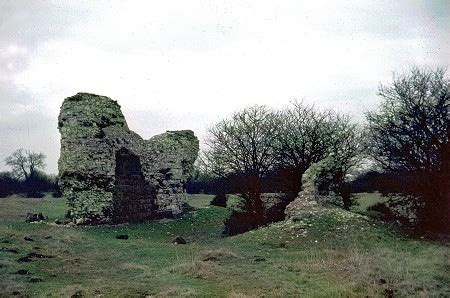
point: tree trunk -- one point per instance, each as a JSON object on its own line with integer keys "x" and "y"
{"x": 254, "y": 203}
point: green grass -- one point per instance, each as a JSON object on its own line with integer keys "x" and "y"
{"x": 366, "y": 200}
{"x": 336, "y": 253}
{"x": 203, "y": 200}
{"x": 200, "y": 200}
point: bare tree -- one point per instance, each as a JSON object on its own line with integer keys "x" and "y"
{"x": 410, "y": 134}
{"x": 25, "y": 164}
{"x": 243, "y": 145}
{"x": 307, "y": 135}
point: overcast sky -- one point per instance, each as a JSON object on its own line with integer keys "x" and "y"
{"x": 185, "y": 64}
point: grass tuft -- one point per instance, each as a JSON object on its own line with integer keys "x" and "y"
{"x": 221, "y": 254}
{"x": 196, "y": 269}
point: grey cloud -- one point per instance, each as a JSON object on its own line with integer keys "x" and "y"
{"x": 24, "y": 124}
{"x": 10, "y": 97}
{"x": 31, "y": 22}
{"x": 383, "y": 19}
{"x": 32, "y": 131}
{"x": 150, "y": 123}
{"x": 28, "y": 24}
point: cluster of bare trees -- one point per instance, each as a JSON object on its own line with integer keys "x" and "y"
{"x": 307, "y": 135}
{"x": 409, "y": 133}
{"x": 26, "y": 175}
{"x": 243, "y": 145}
{"x": 258, "y": 140}
{"x": 25, "y": 164}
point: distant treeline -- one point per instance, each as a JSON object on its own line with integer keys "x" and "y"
{"x": 386, "y": 183}
{"x": 281, "y": 181}
{"x": 35, "y": 186}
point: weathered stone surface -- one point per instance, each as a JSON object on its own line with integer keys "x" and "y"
{"x": 317, "y": 190}
{"x": 107, "y": 171}
{"x": 301, "y": 207}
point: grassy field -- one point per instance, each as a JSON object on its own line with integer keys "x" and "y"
{"x": 336, "y": 253}
{"x": 365, "y": 200}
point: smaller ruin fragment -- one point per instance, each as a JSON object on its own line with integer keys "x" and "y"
{"x": 108, "y": 173}
{"x": 318, "y": 189}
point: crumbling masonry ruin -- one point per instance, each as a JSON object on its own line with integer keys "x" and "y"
{"x": 108, "y": 173}
{"x": 317, "y": 190}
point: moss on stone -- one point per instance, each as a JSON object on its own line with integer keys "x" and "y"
{"x": 93, "y": 130}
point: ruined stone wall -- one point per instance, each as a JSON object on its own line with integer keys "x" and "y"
{"x": 168, "y": 161}
{"x": 108, "y": 172}
{"x": 317, "y": 189}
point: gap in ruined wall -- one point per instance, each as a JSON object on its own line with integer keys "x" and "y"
{"x": 133, "y": 196}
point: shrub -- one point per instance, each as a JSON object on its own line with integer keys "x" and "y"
{"x": 8, "y": 185}
{"x": 219, "y": 200}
